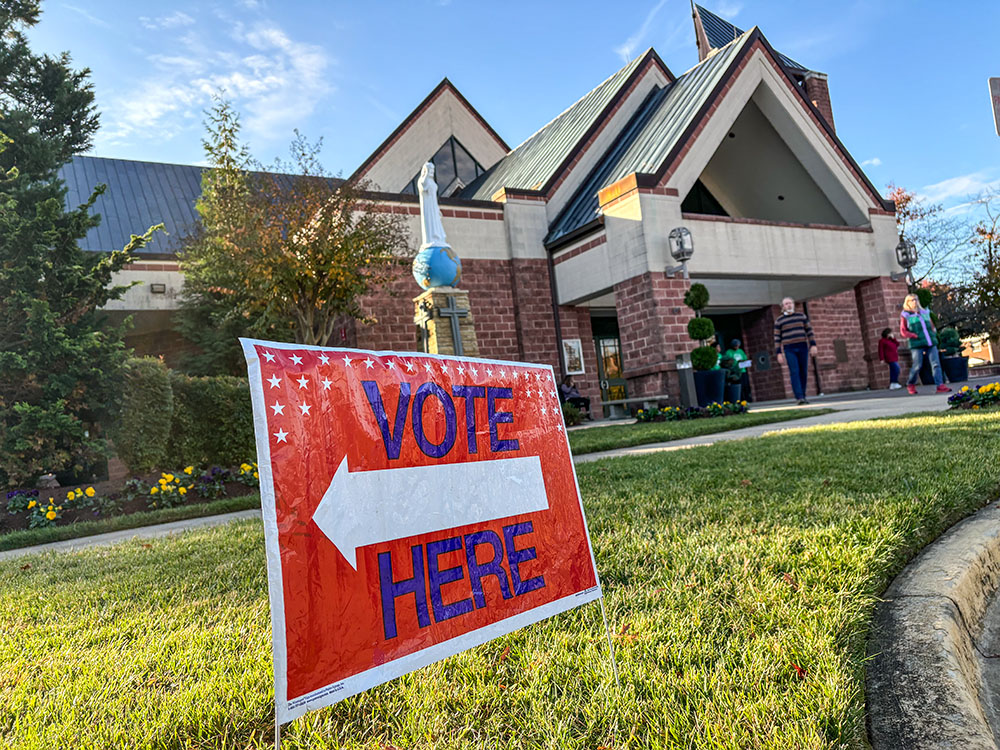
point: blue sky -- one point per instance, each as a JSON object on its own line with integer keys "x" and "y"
{"x": 908, "y": 79}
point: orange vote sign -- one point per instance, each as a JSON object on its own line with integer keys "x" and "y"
{"x": 414, "y": 506}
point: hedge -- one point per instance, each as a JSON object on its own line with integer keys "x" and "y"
{"x": 212, "y": 423}
{"x": 140, "y": 435}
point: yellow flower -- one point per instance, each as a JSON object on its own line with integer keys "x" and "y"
{"x": 975, "y": 406}
{"x": 162, "y": 481}
{"x": 246, "y": 467}
{"x": 153, "y": 490}
{"x": 58, "y": 507}
{"x": 169, "y": 477}
{"x": 189, "y": 470}
{"x": 255, "y": 475}
{"x": 965, "y": 389}
{"x": 89, "y": 492}
{"x": 182, "y": 490}
{"x": 70, "y": 495}
{"x": 51, "y": 515}
{"x": 32, "y": 504}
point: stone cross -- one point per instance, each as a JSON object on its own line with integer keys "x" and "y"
{"x": 453, "y": 312}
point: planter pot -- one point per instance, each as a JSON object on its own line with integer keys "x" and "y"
{"x": 710, "y": 386}
{"x": 956, "y": 369}
{"x": 733, "y": 391}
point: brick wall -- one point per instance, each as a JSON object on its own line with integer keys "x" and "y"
{"x": 835, "y": 317}
{"x": 878, "y": 302}
{"x": 758, "y": 336}
{"x": 575, "y": 323}
{"x": 511, "y": 304}
{"x": 652, "y": 324}
{"x": 818, "y": 92}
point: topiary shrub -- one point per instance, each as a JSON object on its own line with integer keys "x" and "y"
{"x": 701, "y": 329}
{"x": 696, "y": 297}
{"x": 925, "y": 297}
{"x": 949, "y": 342}
{"x": 213, "y": 421}
{"x": 704, "y": 358}
{"x": 142, "y": 430}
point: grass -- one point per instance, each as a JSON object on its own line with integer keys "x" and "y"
{"x": 594, "y": 439}
{"x": 30, "y": 537}
{"x": 740, "y": 579}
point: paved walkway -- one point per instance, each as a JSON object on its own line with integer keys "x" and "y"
{"x": 851, "y": 407}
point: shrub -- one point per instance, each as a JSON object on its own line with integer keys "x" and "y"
{"x": 213, "y": 421}
{"x": 696, "y": 297}
{"x": 704, "y": 358}
{"x": 571, "y": 415}
{"x": 976, "y": 398}
{"x": 143, "y": 427}
{"x": 949, "y": 342}
{"x": 925, "y": 297}
{"x": 700, "y": 329}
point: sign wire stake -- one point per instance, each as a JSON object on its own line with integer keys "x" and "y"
{"x": 277, "y": 732}
{"x": 611, "y": 647}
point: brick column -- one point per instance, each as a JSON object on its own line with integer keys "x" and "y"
{"x": 575, "y": 322}
{"x": 834, "y": 319}
{"x": 533, "y": 317}
{"x": 652, "y": 324}
{"x": 879, "y": 301}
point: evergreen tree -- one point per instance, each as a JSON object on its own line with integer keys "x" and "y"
{"x": 60, "y": 366}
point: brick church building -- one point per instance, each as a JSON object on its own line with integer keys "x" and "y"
{"x": 564, "y": 237}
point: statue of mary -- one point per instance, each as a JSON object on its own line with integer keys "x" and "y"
{"x": 431, "y": 229}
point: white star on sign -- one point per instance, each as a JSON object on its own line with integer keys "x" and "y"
{"x": 501, "y": 373}
{"x": 391, "y": 365}
{"x": 369, "y": 363}
{"x": 303, "y": 381}
{"x": 281, "y": 435}
{"x": 461, "y": 370}
{"x": 544, "y": 411}
{"x": 530, "y": 392}
{"x": 554, "y": 394}
{"x": 473, "y": 370}
{"x": 278, "y": 408}
{"x": 326, "y": 384}
{"x": 297, "y": 359}
{"x": 427, "y": 366}
{"x": 304, "y": 408}
{"x": 324, "y": 359}
{"x": 559, "y": 426}
{"x": 274, "y": 380}
{"x": 489, "y": 372}
{"x": 409, "y": 366}
{"x": 347, "y": 360}
{"x": 269, "y": 357}
{"x": 445, "y": 368}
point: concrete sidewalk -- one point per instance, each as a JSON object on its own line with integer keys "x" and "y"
{"x": 851, "y": 407}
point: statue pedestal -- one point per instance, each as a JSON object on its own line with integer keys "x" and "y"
{"x": 444, "y": 322}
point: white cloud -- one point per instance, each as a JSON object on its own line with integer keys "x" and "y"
{"x": 873, "y": 162}
{"x": 89, "y": 16}
{"x": 963, "y": 186}
{"x": 627, "y": 49}
{"x": 728, "y": 10}
{"x": 173, "y": 21}
{"x": 273, "y": 80}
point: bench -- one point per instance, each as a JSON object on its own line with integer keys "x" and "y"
{"x": 619, "y": 408}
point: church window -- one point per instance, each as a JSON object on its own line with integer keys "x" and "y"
{"x": 454, "y": 168}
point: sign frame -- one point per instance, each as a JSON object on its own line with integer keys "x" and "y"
{"x": 994, "y": 84}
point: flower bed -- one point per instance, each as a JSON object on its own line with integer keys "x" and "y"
{"x": 976, "y": 398}
{"x": 676, "y": 413}
{"x": 33, "y": 509}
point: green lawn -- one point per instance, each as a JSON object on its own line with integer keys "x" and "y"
{"x": 30, "y": 537}
{"x": 725, "y": 568}
{"x": 594, "y": 439}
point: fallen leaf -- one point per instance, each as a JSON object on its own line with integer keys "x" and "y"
{"x": 790, "y": 580}
{"x": 26, "y": 566}
{"x": 745, "y": 482}
{"x": 506, "y": 652}
{"x": 147, "y": 546}
{"x": 799, "y": 671}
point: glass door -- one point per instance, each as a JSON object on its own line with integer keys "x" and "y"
{"x": 609, "y": 369}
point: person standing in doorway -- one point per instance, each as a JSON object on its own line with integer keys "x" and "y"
{"x": 794, "y": 343}
{"x": 916, "y": 326}
{"x": 888, "y": 352}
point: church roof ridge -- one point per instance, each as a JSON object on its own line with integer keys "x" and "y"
{"x": 719, "y": 32}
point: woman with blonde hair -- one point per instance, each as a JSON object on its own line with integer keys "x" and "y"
{"x": 916, "y": 326}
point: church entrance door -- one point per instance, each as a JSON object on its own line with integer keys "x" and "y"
{"x": 609, "y": 359}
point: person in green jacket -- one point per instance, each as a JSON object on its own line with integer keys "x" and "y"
{"x": 735, "y": 351}
{"x": 916, "y": 326}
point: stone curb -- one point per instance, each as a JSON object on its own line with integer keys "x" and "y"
{"x": 924, "y": 681}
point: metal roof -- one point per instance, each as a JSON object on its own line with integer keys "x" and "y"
{"x": 653, "y": 132}
{"x": 139, "y": 194}
{"x": 534, "y": 162}
{"x": 720, "y": 33}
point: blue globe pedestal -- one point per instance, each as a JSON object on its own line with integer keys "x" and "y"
{"x": 444, "y": 322}
{"x": 435, "y": 266}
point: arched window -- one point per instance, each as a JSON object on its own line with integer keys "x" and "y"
{"x": 454, "y": 168}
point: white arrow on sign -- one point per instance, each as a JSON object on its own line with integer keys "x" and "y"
{"x": 366, "y": 507}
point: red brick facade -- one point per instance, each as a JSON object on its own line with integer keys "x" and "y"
{"x": 838, "y": 335}
{"x": 758, "y": 336}
{"x": 575, "y": 322}
{"x": 878, "y": 302}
